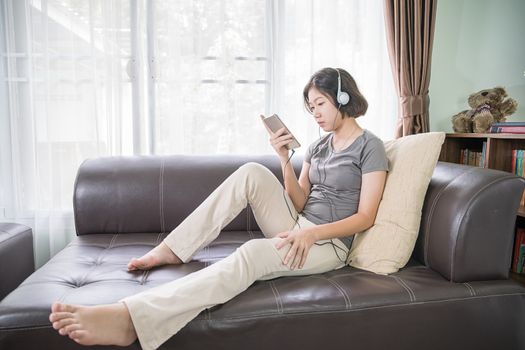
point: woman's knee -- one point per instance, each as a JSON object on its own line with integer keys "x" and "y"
{"x": 253, "y": 170}
{"x": 263, "y": 247}
{"x": 254, "y": 246}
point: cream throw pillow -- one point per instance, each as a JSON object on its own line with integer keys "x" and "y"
{"x": 387, "y": 246}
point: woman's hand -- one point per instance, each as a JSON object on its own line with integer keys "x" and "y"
{"x": 301, "y": 240}
{"x": 279, "y": 140}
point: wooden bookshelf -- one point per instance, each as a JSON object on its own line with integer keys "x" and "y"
{"x": 498, "y": 155}
{"x": 498, "y": 150}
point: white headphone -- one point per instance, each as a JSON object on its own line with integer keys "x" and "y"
{"x": 342, "y": 97}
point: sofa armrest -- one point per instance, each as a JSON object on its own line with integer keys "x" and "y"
{"x": 468, "y": 220}
{"x": 16, "y": 256}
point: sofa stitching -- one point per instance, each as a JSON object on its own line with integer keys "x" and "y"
{"x": 409, "y": 288}
{"x": 114, "y": 246}
{"x": 144, "y": 277}
{"x": 346, "y": 298}
{"x": 461, "y": 219}
{"x": 377, "y": 307}
{"x": 400, "y": 282}
{"x": 111, "y": 243}
{"x": 406, "y": 287}
{"x": 470, "y": 288}
{"x": 159, "y": 239}
{"x": 277, "y": 297}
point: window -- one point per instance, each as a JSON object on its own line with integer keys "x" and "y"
{"x": 83, "y": 79}
{"x": 210, "y": 60}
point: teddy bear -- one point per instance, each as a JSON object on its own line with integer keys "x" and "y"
{"x": 487, "y": 107}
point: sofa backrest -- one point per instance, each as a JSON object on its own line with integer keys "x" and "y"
{"x": 466, "y": 230}
{"x": 152, "y": 194}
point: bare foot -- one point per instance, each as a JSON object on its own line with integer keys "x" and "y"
{"x": 94, "y": 325}
{"x": 160, "y": 255}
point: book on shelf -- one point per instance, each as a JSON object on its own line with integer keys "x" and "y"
{"x": 517, "y": 167}
{"x": 508, "y": 127}
{"x": 513, "y": 162}
{"x": 508, "y": 124}
{"x": 517, "y": 161}
{"x": 519, "y": 251}
{"x": 484, "y": 155}
{"x": 472, "y": 157}
{"x": 521, "y": 259}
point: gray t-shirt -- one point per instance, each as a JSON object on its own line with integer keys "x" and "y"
{"x": 336, "y": 177}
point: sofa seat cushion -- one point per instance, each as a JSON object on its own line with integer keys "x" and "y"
{"x": 92, "y": 270}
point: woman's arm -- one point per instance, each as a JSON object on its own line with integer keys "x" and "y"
{"x": 301, "y": 240}
{"x": 298, "y": 190}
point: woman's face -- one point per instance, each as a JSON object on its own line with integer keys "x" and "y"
{"x": 324, "y": 110}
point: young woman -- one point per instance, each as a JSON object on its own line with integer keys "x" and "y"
{"x": 308, "y": 231}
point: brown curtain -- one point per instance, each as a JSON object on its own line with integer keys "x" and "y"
{"x": 410, "y": 34}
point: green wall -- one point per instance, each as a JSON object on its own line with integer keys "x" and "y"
{"x": 478, "y": 44}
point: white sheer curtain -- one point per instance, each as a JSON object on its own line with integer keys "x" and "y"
{"x": 210, "y": 82}
{"x": 84, "y": 79}
{"x": 67, "y": 98}
{"x": 219, "y": 64}
{"x": 335, "y": 33}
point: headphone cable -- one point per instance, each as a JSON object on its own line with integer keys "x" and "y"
{"x": 296, "y": 219}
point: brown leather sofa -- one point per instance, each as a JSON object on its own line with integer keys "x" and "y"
{"x": 455, "y": 293}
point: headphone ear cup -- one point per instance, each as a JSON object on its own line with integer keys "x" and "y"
{"x": 343, "y": 98}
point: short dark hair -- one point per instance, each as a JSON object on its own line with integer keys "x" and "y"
{"x": 325, "y": 80}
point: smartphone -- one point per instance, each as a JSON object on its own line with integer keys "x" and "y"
{"x": 275, "y": 123}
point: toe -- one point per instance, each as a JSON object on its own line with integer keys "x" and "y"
{"x": 135, "y": 265}
{"x": 55, "y": 307}
{"x": 57, "y": 316}
{"x": 72, "y": 328}
{"x": 141, "y": 263}
{"x": 63, "y": 331}
{"x": 63, "y": 323}
{"x": 59, "y": 307}
{"x": 131, "y": 265}
{"x": 78, "y": 336}
{"x": 67, "y": 308}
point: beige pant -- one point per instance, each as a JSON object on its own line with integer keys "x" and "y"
{"x": 162, "y": 311}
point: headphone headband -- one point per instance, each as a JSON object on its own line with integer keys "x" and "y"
{"x": 342, "y": 97}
